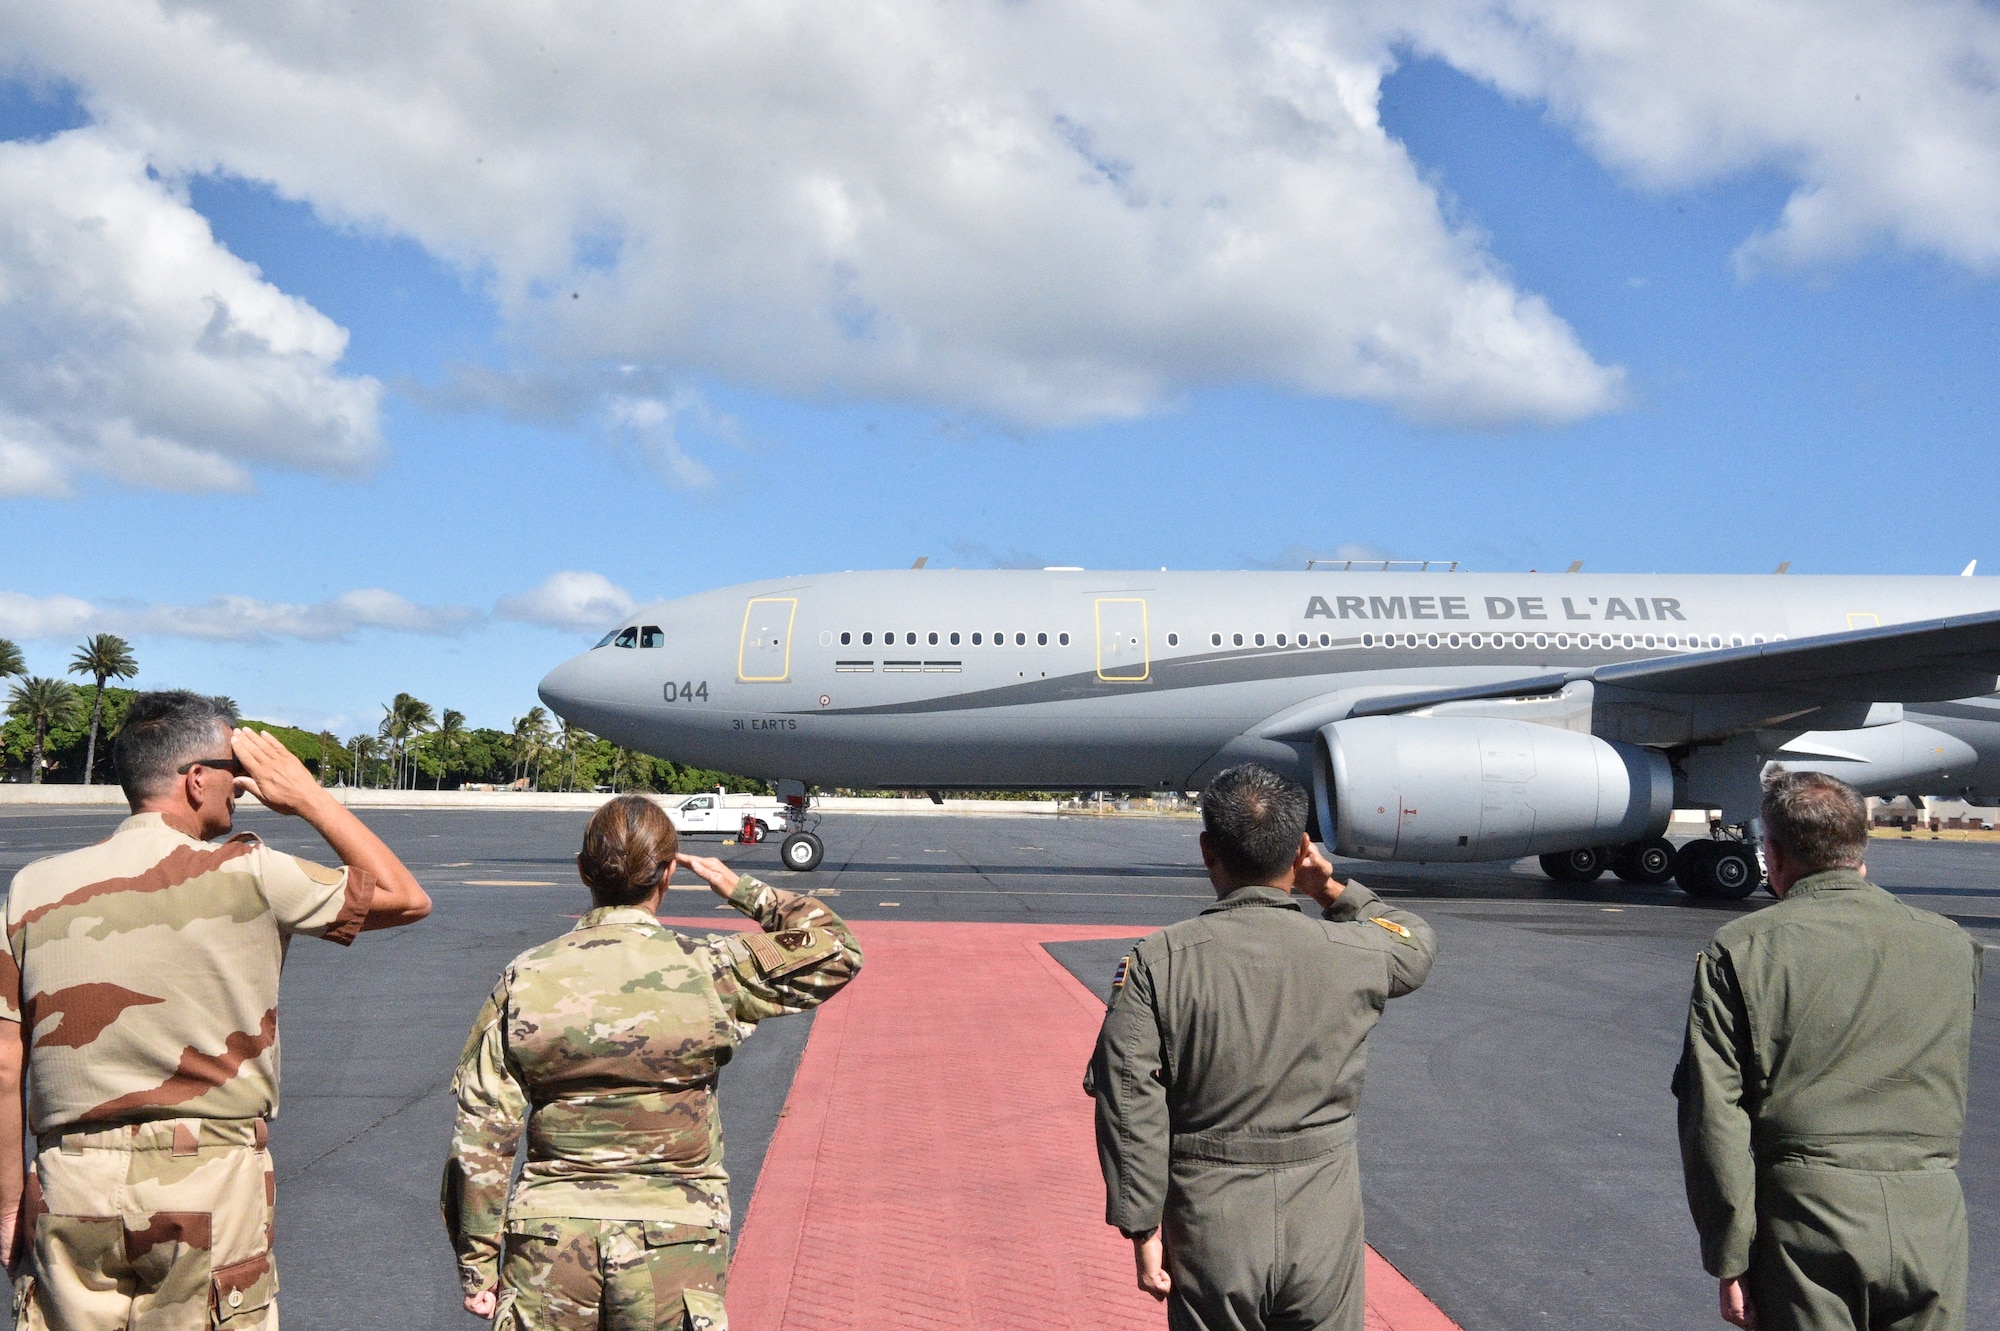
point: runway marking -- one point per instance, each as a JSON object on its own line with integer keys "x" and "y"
{"x": 937, "y": 1110}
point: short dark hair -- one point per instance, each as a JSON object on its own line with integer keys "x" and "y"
{"x": 626, "y": 849}
{"x": 1818, "y": 821}
{"x": 1254, "y": 819}
{"x": 162, "y": 730}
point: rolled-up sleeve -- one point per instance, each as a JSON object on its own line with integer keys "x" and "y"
{"x": 312, "y": 899}
{"x": 1134, "y": 1129}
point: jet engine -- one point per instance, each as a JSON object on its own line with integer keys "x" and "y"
{"x": 1472, "y": 788}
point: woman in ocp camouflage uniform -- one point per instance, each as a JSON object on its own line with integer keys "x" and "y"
{"x": 605, "y": 1044}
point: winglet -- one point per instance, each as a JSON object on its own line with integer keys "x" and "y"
{"x": 1968, "y": 569}
{"x": 1785, "y": 567}
{"x": 1576, "y": 567}
{"x": 921, "y": 561}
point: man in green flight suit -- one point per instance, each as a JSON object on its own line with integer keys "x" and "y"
{"x": 1822, "y": 1088}
{"x": 1229, "y": 1068}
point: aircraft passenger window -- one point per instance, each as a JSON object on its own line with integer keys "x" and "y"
{"x": 867, "y": 640}
{"x": 954, "y": 640}
{"x": 606, "y": 639}
{"x": 1281, "y": 640}
{"x": 1673, "y": 641}
{"x": 1020, "y": 640}
{"x": 1478, "y": 641}
{"x": 1520, "y": 640}
{"x": 1239, "y": 640}
{"x": 1260, "y": 640}
{"x": 1409, "y": 639}
{"x": 933, "y": 639}
{"x": 910, "y": 639}
{"x": 976, "y": 639}
{"x": 1562, "y": 640}
{"x": 1326, "y": 640}
{"x": 1735, "y": 640}
{"x": 1649, "y": 640}
{"x": 626, "y": 638}
{"x": 1215, "y": 639}
{"x": 650, "y": 636}
{"x": 1452, "y": 640}
{"x": 1541, "y": 640}
{"x": 1173, "y": 639}
{"x": 1431, "y": 640}
{"x": 1041, "y": 640}
{"x": 1367, "y": 640}
{"x": 1062, "y": 640}
{"x": 1715, "y": 639}
{"x": 1759, "y": 638}
{"x": 1627, "y": 640}
{"x": 846, "y": 638}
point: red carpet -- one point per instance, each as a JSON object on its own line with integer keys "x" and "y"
{"x": 935, "y": 1166}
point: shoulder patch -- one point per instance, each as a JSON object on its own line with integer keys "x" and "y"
{"x": 1403, "y": 935}
{"x": 1124, "y": 969}
{"x": 778, "y": 955}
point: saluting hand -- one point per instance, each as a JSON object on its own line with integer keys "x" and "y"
{"x": 273, "y": 773}
{"x": 721, "y": 879}
{"x": 482, "y": 1304}
{"x": 1312, "y": 874}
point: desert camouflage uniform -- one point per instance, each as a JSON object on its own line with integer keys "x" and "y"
{"x": 606, "y": 1044}
{"x": 146, "y": 970}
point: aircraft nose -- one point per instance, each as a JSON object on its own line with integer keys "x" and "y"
{"x": 570, "y": 687}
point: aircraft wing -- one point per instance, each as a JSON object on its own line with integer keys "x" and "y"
{"x": 1923, "y": 661}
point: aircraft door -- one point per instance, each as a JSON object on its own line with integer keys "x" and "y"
{"x": 764, "y": 656}
{"x": 1124, "y": 653}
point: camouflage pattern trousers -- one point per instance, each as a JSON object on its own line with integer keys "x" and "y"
{"x": 162, "y": 1226}
{"x": 611, "y": 1275}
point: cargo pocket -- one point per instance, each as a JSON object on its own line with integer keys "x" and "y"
{"x": 704, "y": 1310}
{"x": 242, "y": 1292}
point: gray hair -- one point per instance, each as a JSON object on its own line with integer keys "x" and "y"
{"x": 1254, "y": 819}
{"x": 162, "y": 730}
{"x": 1818, "y": 821}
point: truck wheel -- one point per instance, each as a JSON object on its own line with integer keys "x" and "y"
{"x": 801, "y": 852}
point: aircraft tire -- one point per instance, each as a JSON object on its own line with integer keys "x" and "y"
{"x": 801, "y": 852}
{"x": 1646, "y": 862}
{"x": 1734, "y": 872}
{"x": 1575, "y": 866}
{"x": 1691, "y": 868}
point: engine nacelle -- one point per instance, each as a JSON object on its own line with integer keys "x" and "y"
{"x": 1470, "y": 788}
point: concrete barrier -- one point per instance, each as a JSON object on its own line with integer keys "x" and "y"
{"x": 16, "y": 796}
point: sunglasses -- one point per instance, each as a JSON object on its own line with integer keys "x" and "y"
{"x": 229, "y": 765}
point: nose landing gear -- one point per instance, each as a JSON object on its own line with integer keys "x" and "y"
{"x": 800, "y": 851}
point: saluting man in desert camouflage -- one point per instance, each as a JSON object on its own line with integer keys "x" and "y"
{"x": 605, "y": 1044}
{"x": 139, "y": 984}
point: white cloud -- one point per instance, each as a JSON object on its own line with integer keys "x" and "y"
{"x": 231, "y": 618}
{"x": 1887, "y": 116}
{"x": 1044, "y": 212}
{"x": 134, "y": 346}
{"x": 569, "y": 601}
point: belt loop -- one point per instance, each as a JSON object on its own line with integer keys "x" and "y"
{"x": 187, "y": 1138}
{"x": 72, "y": 1143}
{"x": 262, "y": 1131}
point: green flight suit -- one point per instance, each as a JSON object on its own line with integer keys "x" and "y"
{"x": 1822, "y": 1096}
{"x": 1226, "y": 1076}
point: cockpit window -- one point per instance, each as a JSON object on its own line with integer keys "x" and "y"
{"x": 651, "y": 636}
{"x": 628, "y": 637}
{"x": 605, "y": 641}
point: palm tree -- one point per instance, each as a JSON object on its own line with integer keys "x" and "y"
{"x": 569, "y": 735}
{"x": 402, "y": 721}
{"x": 42, "y": 703}
{"x": 104, "y": 656}
{"x": 363, "y": 747}
{"x": 11, "y": 662}
{"x": 531, "y": 740}
{"x": 451, "y": 728}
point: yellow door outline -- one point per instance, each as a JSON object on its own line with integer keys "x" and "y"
{"x": 791, "y": 604}
{"x": 1145, "y": 642}
{"x": 1862, "y": 619}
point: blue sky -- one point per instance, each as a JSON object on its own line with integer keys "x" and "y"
{"x": 1836, "y": 410}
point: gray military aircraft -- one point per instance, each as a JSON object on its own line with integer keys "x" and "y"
{"x": 1435, "y": 714}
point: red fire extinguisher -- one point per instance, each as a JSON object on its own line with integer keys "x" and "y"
{"x": 752, "y": 831}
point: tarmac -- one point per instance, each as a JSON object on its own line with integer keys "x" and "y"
{"x": 919, "y": 1153}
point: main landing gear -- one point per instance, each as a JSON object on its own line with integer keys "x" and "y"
{"x": 1718, "y": 870}
{"x": 1650, "y": 862}
{"x": 800, "y": 851}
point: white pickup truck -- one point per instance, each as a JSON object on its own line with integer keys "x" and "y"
{"x": 714, "y": 813}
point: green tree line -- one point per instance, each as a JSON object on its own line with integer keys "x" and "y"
{"x": 60, "y": 731}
